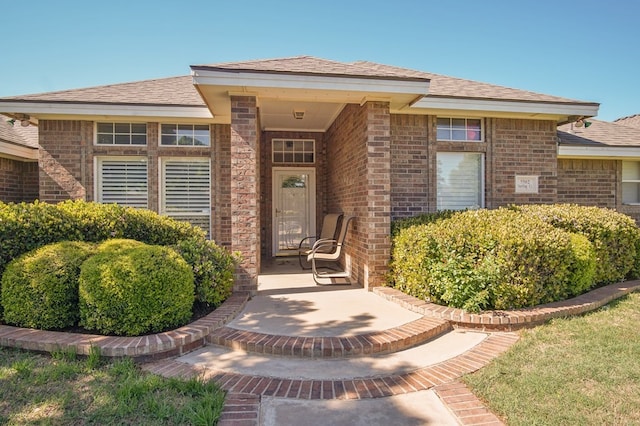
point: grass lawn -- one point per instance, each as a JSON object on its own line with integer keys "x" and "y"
{"x": 576, "y": 371}
{"x": 63, "y": 390}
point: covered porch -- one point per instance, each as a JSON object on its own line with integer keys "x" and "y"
{"x": 297, "y": 147}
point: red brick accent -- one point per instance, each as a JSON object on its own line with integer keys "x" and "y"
{"x": 141, "y": 348}
{"x": 359, "y": 178}
{"x": 240, "y": 409}
{"x": 385, "y": 341}
{"x": 465, "y": 405}
{"x": 517, "y": 318}
{"x": 351, "y": 388}
{"x": 18, "y": 180}
{"x": 245, "y": 190}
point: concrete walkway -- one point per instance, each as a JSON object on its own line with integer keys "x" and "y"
{"x": 389, "y": 382}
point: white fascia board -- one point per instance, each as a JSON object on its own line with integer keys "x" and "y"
{"x": 506, "y": 106}
{"x": 575, "y": 151}
{"x": 59, "y": 108}
{"x": 19, "y": 152}
{"x": 309, "y": 82}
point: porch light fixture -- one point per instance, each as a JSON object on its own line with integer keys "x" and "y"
{"x": 298, "y": 114}
{"x": 11, "y": 122}
{"x": 581, "y": 122}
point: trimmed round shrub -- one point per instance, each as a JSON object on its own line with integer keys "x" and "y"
{"x": 615, "y": 236}
{"x": 136, "y": 290}
{"x": 488, "y": 259}
{"x": 27, "y": 226}
{"x": 40, "y": 288}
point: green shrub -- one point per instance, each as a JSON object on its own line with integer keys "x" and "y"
{"x": 40, "y": 288}
{"x": 421, "y": 219}
{"x": 27, "y": 226}
{"x": 486, "y": 259}
{"x": 213, "y": 269}
{"x": 615, "y": 236}
{"x": 131, "y": 291}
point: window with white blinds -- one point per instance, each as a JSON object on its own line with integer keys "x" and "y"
{"x": 122, "y": 180}
{"x": 460, "y": 180}
{"x": 186, "y": 190}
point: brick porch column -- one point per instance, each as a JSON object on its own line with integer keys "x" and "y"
{"x": 245, "y": 186}
{"x": 378, "y": 219}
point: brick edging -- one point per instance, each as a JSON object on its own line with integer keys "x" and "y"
{"x": 513, "y": 319}
{"x": 465, "y": 406}
{"x": 141, "y": 349}
{"x": 384, "y": 341}
{"x": 352, "y": 388}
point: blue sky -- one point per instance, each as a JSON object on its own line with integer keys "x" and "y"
{"x": 585, "y": 50}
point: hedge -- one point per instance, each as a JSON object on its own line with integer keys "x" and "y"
{"x": 27, "y": 226}
{"x": 40, "y": 288}
{"x": 615, "y": 236}
{"x": 490, "y": 259}
{"x": 130, "y": 289}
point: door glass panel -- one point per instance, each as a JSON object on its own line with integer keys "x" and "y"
{"x": 292, "y": 210}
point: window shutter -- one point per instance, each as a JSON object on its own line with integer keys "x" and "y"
{"x": 123, "y": 182}
{"x": 187, "y": 191}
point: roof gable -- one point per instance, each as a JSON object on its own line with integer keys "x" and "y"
{"x": 631, "y": 120}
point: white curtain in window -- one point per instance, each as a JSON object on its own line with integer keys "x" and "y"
{"x": 460, "y": 180}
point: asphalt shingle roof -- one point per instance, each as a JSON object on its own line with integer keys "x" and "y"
{"x": 600, "y": 133}
{"x": 172, "y": 91}
{"x": 16, "y": 134}
{"x": 180, "y": 91}
{"x": 632, "y": 120}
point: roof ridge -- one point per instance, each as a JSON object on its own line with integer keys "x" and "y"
{"x": 626, "y": 117}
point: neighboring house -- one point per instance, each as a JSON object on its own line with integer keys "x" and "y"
{"x": 599, "y": 164}
{"x": 257, "y": 152}
{"x": 18, "y": 160}
{"x": 632, "y": 120}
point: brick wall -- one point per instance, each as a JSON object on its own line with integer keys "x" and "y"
{"x": 245, "y": 190}
{"x": 63, "y": 159}
{"x": 520, "y": 147}
{"x": 588, "y": 182}
{"x": 18, "y": 181}
{"x": 221, "y": 191}
{"x": 266, "y": 182}
{"x": 359, "y": 183}
{"x": 410, "y": 160}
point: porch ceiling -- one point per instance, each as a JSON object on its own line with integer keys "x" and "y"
{"x": 277, "y": 105}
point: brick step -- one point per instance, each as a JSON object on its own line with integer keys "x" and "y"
{"x": 379, "y": 342}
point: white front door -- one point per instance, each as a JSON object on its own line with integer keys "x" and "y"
{"x": 294, "y": 208}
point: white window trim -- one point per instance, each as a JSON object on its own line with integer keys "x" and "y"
{"x": 452, "y": 117}
{"x": 482, "y": 175}
{"x": 97, "y": 175}
{"x": 623, "y": 181}
{"x": 161, "y": 146}
{"x": 95, "y": 132}
{"x": 273, "y": 140}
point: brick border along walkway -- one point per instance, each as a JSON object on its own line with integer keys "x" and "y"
{"x": 517, "y": 318}
{"x": 192, "y": 336}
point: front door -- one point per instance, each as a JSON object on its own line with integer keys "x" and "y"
{"x": 294, "y": 208}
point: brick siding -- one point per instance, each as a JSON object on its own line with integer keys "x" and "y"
{"x": 520, "y": 147}
{"x": 410, "y": 171}
{"x": 359, "y": 183}
{"x": 245, "y": 190}
{"x": 63, "y": 159}
{"x": 18, "y": 181}
{"x": 588, "y": 182}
